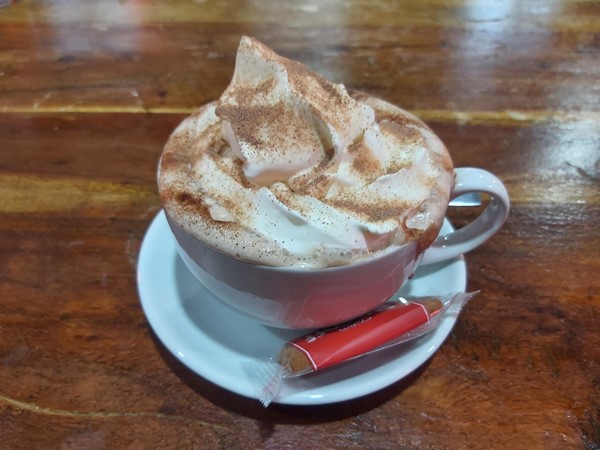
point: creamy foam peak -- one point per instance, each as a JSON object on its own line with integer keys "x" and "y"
{"x": 284, "y": 120}
{"x": 290, "y": 169}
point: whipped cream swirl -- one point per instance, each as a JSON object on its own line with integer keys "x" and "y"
{"x": 290, "y": 169}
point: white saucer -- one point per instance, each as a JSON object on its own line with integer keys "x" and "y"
{"x": 213, "y": 339}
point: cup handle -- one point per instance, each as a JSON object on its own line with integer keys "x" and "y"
{"x": 474, "y": 234}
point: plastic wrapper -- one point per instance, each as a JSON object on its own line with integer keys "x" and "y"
{"x": 391, "y": 324}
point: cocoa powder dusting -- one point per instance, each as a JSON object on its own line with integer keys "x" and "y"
{"x": 251, "y": 113}
{"x": 365, "y": 163}
{"x": 270, "y": 125}
{"x": 192, "y": 205}
{"x": 376, "y": 211}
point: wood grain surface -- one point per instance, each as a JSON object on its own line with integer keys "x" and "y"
{"x": 89, "y": 93}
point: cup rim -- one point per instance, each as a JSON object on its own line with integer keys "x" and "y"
{"x": 368, "y": 259}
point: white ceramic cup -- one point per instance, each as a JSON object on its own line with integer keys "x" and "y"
{"x": 291, "y": 297}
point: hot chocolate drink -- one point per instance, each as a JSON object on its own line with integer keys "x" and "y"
{"x": 289, "y": 169}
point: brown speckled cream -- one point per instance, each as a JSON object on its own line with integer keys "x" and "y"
{"x": 289, "y": 169}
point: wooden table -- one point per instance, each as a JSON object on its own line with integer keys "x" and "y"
{"x": 89, "y": 93}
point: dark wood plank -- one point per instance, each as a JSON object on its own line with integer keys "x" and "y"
{"x": 176, "y": 67}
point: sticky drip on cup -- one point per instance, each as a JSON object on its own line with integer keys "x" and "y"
{"x": 391, "y": 324}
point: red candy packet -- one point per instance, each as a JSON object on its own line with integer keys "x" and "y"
{"x": 391, "y": 324}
